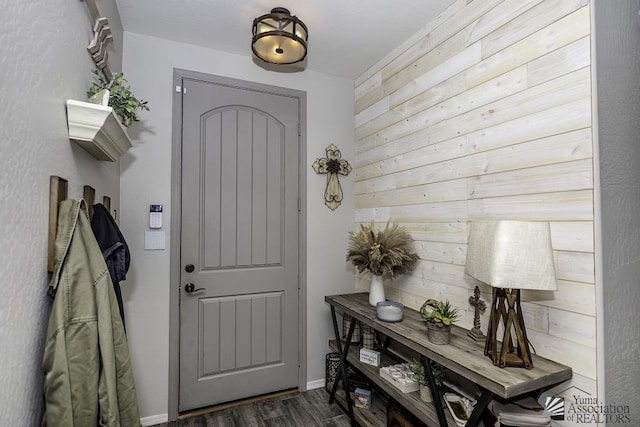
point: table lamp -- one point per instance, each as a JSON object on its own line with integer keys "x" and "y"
{"x": 509, "y": 256}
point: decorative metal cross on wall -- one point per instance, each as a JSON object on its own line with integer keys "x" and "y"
{"x": 332, "y": 166}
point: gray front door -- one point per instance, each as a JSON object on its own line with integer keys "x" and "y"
{"x": 239, "y": 246}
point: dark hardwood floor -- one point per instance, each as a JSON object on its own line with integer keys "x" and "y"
{"x": 294, "y": 409}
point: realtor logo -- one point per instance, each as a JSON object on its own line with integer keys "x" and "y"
{"x": 580, "y": 407}
{"x": 555, "y": 407}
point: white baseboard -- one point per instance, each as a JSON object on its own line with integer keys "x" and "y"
{"x": 154, "y": 419}
{"x": 315, "y": 384}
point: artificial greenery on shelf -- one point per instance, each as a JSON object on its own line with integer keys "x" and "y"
{"x": 387, "y": 253}
{"x": 419, "y": 374}
{"x": 439, "y": 313}
{"x": 121, "y": 99}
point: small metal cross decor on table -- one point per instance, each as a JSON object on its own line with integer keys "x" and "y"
{"x": 479, "y": 306}
{"x": 332, "y": 166}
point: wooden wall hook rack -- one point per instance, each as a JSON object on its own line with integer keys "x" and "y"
{"x": 58, "y": 191}
{"x": 58, "y": 188}
{"x": 89, "y": 196}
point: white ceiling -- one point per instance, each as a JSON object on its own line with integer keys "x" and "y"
{"x": 346, "y": 37}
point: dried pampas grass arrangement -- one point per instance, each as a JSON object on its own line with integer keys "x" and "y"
{"x": 387, "y": 253}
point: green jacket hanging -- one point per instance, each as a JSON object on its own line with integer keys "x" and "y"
{"x": 88, "y": 378}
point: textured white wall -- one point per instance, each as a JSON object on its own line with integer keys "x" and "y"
{"x": 43, "y": 61}
{"x": 146, "y": 178}
{"x": 618, "y": 107}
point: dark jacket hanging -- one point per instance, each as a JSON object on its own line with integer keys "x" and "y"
{"x": 114, "y": 249}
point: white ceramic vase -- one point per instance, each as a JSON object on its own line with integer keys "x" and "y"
{"x": 376, "y": 291}
{"x": 425, "y": 393}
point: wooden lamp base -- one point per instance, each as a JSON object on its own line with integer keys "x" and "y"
{"x": 506, "y": 309}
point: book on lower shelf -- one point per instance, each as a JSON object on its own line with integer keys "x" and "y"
{"x": 362, "y": 398}
{"x": 524, "y": 412}
{"x": 375, "y": 416}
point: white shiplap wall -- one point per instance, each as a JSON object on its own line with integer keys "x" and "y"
{"x": 486, "y": 113}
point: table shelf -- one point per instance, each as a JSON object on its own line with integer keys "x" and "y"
{"x": 423, "y": 410}
{"x": 463, "y": 356}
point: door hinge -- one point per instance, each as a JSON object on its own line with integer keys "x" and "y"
{"x": 299, "y": 129}
{"x": 180, "y": 89}
{"x": 299, "y": 205}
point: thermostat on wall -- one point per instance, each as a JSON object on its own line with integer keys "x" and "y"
{"x": 155, "y": 216}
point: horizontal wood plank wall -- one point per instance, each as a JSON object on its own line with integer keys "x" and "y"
{"x": 486, "y": 113}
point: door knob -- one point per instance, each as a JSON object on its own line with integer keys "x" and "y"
{"x": 190, "y": 288}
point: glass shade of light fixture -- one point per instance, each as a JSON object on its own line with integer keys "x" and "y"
{"x": 509, "y": 256}
{"x": 279, "y": 38}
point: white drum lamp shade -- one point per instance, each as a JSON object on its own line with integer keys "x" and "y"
{"x": 511, "y": 254}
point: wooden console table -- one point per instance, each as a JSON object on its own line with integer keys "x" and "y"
{"x": 462, "y": 356}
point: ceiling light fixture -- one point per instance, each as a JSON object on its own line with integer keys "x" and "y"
{"x": 279, "y": 38}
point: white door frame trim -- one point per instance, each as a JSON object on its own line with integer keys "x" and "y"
{"x": 176, "y": 197}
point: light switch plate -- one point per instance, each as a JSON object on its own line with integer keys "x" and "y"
{"x": 154, "y": 240}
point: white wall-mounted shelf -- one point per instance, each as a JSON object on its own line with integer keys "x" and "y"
{"x": 97, "y": 129}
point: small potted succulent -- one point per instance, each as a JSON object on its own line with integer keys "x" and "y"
{"x": 124, "y": 103}
{"x": 438, "y": 316}
{"x": 419, "y": 376}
